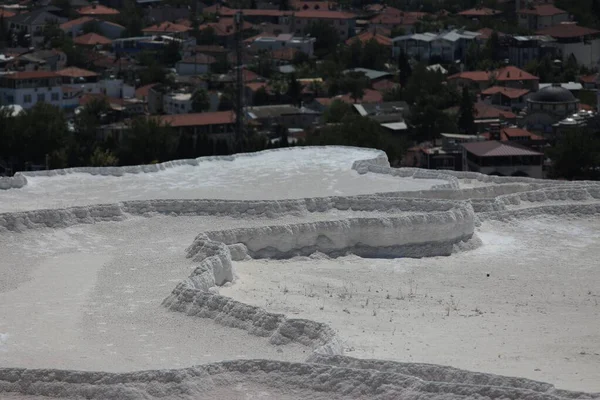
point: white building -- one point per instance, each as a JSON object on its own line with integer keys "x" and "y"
{"x": 28, "y": 88}
{"x": 177, "y": 103}
{"x": 541, "y": 16}
{"x": 447, "y": 46}
{"x": 303, "y": 44}
{"x": 580, "y": 42}
{"x": 493, "y": 157}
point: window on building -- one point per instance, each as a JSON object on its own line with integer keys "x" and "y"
{"x": 54, "y": 96}
{"x": 27, "y": 98}
{"x": 41, "y": 97}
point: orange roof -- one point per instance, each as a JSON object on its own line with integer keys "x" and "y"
{"x": 74, "y": 72}
{"x": 589, "y": 78}
{"x": 97, "y": 9}
{"x": 370, "y": 96}
{"x": 368, "y": 35}
{"x": 167, "y": 27}
{"x": 324, "y": 14}
{"x": 479, "y": 12}
{"x": 507, "y": 92}
{"x": 476, "y": 76}
{"x": 31, "y": 75}
{"x": 567, "y": 31}
{"x": 385, "y": 84}
{"x": 486, "y": 111}
{"x": 249, "y": 75}
{"x": 487, "y": 33}
{"x": 225, "y": 26}
{"x": 542, "y": 10}
{"x": 312, "y": 5}
{"x": 142, "y": 91}
{"x": 254, "y": 86}
{"x": 91, "y": 39}
{"x": 198, "y": 119}
{"x": 511, "y": 73}
{"x": 518, "y": 132}
{"x": 504, "y": 74}
{"x": 76, "y": 22}
{"x": 6, "y": 14}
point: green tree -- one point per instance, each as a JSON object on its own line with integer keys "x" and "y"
{"x": 149, "y": 140}
{"x": 87, "y": 122}
{"x": 170, "y": 53}
{"x": 103, "y": 158}
{"x": 327, "y": 38}
{"x": 294, "y": 89}
{"x": 337, "y": 111}
{"x": 374, "y": 55}
{"x": 577, "y": 154}
{"x": 200, "y": 100}
{"x": 261, "y": 97}
{"x": 466, "y": 113}
{"x": 404, "y": 69}
{"x": 44, "y": 133}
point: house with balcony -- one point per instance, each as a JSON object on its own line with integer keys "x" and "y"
{"x": 523, "y": 49}
{"x": 219, "y": 125}
{"x": 343, "y": 22}
{"x": 498, "y": 158}
{"x": 26, "y": 89}
{"x": 33, "y": 23}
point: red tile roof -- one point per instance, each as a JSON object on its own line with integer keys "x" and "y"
{"x": 486, "y": 111}
{"x": 567, "y": 31}
{"x": 370, "y": 96}
{"x": 142, "y": 91}
{"x": 198, "y": 119}
{"x": 91, "y": 39}
{"x": 224, "y": 27}
{"x": 507, "y": 92}
{"x": 494, "y": 148}
{"x": 511, "y": 73}
{"x": 6, "y": 14}
{"x": 508, "y": 133}
{"x": 31, "y": 75}
{"x": 167, "y": 27}
{"x": 504, "y": 74}
{"x": 480, "y": 12}
{"x": 74, "y": 72}
{"x": 368, "y": 35}
{"x": 312, "y": 5}
{"x": 254, "y": 86}
{"x": 250, "y": 76}
{"x": 542, "y": 10}
{"x": 324, "y": 14}
{"x": 97, "y": 9}
{"x": 252, "y": 13}
{"x": 384, "y": 85}
{"x": 589, "y": 78}
{"x": 76, "y": 22}
{"x": 486, "y": 33}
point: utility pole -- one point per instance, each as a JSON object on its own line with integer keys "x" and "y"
{"x": 239, "y": 84}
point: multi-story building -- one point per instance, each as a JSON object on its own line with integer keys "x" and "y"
{"x": 446, "y": 46}
{"x": 284, "y": 40}
{"x": 502, "y": 159}
{"x": 177, "y": 103}
{"x": 541, "y": 16}
{"x": 573, "y": 40}
{"x": 509, "y": 76}
{"x": 524, "y": 49}
{"x": 29, "y": 88}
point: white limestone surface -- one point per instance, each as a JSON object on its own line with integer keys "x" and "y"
{"x": 285, "y": 174}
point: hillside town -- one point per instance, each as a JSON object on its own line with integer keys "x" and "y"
{"x": 501, "y": 87}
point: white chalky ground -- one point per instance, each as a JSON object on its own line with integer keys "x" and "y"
{"x": 88, "y": 297}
